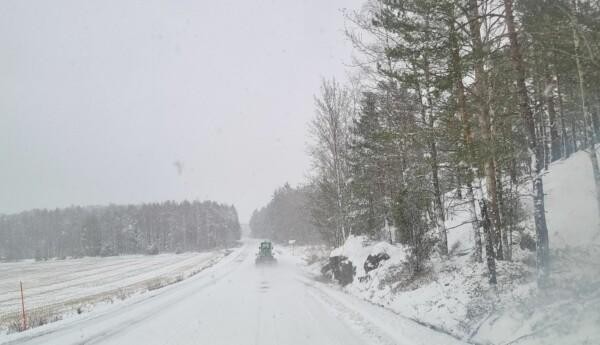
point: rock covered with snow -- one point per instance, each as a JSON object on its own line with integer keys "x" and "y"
{"x": 374, "y": 260}
{"x": 358, "y": 248}
{"x": 340, "y": 269}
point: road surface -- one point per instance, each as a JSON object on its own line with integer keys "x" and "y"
{"x": 236, "y": 303}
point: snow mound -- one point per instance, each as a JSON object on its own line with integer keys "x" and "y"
{"x": 571, "y": 210}
{"x": 358, "y": 248}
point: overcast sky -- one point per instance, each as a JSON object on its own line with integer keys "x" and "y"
{"x": 134, "y": 101}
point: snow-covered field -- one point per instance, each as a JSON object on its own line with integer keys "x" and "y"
{"x": 57, "y": 287}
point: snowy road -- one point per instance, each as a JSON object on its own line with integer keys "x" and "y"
{"x": 235, "y": 302}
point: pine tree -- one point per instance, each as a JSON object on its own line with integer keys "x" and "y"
{"x": 542, "y": 246}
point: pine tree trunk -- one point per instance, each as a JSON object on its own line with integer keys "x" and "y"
{"x": 574, "y": 134}
{"x": 555, "y": 143}
{"x": 429, "y": 119}
{"x": 489, "y": 243}
{"x": 478, "y": 254}
{"x": 513, "y": 203}
{"x": 501, "y": 206}
{"x": 554, "y": 138}
{"x": 482, "y": 92}
{"x": 566, "y": 148}
{"x": 459, "y": 182}
{"x": 492, "y": 185}
{"x": 439, "y": 205}
{"x": 541, "y": 119}
{"x": 535, "y": 149}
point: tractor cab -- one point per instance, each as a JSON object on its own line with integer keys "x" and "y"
{"x": 265, "y": 253}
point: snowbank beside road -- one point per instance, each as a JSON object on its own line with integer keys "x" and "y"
{"x": 453, "y": 294}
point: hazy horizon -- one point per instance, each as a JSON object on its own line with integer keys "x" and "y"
{"x": 119, "y": 102}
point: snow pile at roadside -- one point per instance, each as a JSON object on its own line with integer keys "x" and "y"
{"x": 358, "y": 248}
{"x": 440, "y": 296}
{"x": 453, "y": 294}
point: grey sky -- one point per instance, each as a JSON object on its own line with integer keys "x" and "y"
{"x": 136, "y": 101}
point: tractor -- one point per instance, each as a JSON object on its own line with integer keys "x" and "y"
{"x": 265, "y": 253}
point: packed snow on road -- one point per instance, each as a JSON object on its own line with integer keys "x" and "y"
{"x": 237, "y": 302}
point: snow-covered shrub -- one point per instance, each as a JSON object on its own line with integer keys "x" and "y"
{"x": 155, "y": 284}
{"x": 35, "y": 318}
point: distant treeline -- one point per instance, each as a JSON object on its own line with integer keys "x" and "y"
{"x": 286, "y": 217}
{"x": 112, "y": 230}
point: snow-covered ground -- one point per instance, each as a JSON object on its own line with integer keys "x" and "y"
{"x": 232, "y": 301}
{"x": 236, "y": 302}
{"x": 453, "y": 295}
{"x": 58, "y": 287}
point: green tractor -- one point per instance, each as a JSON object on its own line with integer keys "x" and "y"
{"x": 265, "y": 253}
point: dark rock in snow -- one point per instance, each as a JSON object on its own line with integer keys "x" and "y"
{"x": 373, "y": 261}
{"x": 340, "y": 269}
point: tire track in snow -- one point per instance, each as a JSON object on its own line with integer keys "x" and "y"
{"x": 359, "y": 323}
{"x": 370, "y": 325}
